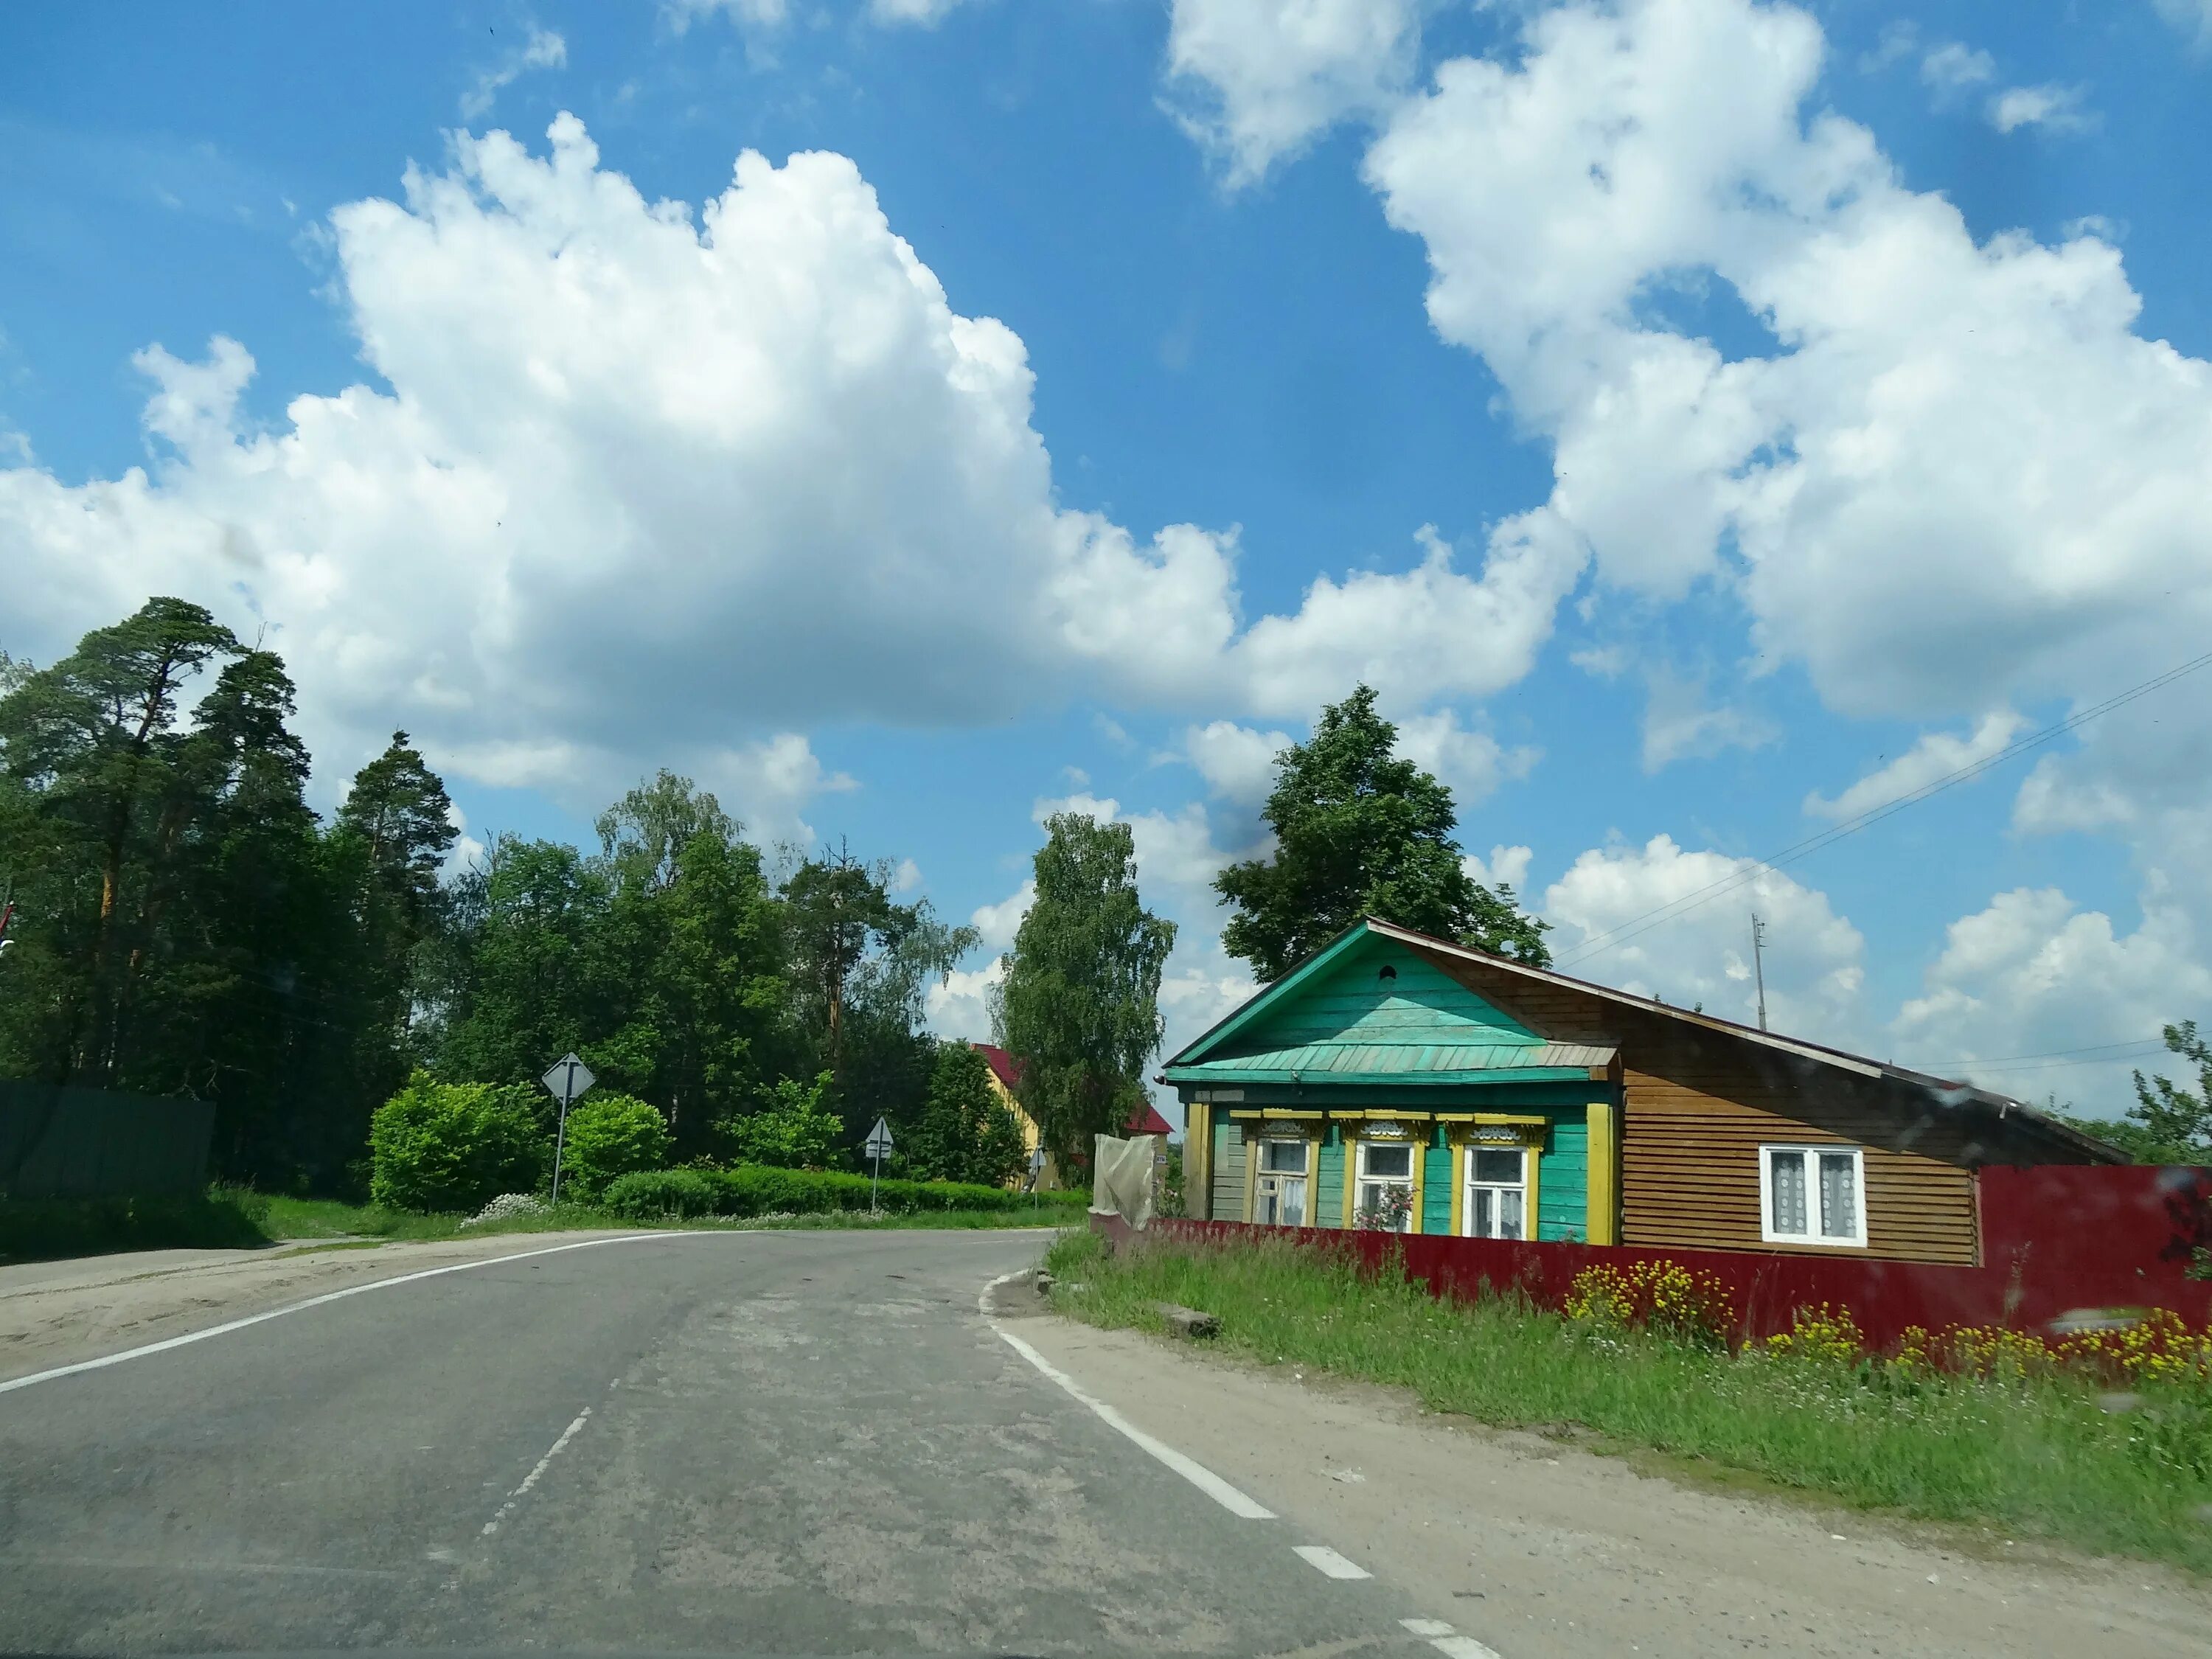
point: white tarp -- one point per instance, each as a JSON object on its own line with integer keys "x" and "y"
{"x": 1122, "y": 1176}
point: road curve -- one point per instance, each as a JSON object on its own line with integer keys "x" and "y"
{"x": 803, "y": 1442}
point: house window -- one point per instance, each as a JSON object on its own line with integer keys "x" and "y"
{"x": 1497, "y": 1192}
{"x": 1812, "y": 1195}
{"x": 1279, "y": 1189}
{"x": 1386, "y": 1185}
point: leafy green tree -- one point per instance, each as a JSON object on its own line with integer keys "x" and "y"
{"x": 792, "y": 1130}
{"x": 1080, "y": 1006}
{"x": 445, "y": 1146}
{"x": 2172, "y": 1124}
{"x": 963, "y": 1132}
{"x": 1361, "y": 832}
{"x": 532, "y": 976}
{"x": 861, "y": 965}
{"x": 610, "y": 1135}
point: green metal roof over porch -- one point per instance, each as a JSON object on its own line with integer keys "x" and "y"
{"x": 1366, "y": 1010}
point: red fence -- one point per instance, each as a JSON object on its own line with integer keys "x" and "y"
{"x": 2055, "y": 1241}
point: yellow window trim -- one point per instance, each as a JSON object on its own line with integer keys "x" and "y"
{"x": 1532, "y": 1146}
{"x": 1603, "y": 1220}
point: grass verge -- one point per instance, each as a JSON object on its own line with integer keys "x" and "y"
{"x": 2054, "y": 1458}
{"x": 236, "y": 1218}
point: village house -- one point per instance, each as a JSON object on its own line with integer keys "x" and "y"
{"x": 1399, "y": 1080}
{"x": 1007, "y": 1071}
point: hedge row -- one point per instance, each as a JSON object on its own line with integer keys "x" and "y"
{"x": 754, "y": 1189}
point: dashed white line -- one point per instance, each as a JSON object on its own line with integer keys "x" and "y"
{"x": 1336, "y": 1565}
{"x": 1447, "y": 1641}
{"x": 530, "y": 1479}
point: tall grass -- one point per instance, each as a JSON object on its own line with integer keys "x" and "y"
{"x": 2055, "y": 1457}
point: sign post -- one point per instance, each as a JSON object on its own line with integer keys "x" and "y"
{"x": 878, "y": 1147}
{"x": 568, "y": 1077}
{"x": 1036, "y": 1177}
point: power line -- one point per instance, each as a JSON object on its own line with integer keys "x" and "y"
{"x": 1614, "y": 937}
{"x": 2153, "y": 1043}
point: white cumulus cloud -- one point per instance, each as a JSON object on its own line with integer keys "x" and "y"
{"x": 540, "y": 49}
{"x": 2052, "y": 107}
{"x": 1254, "y": 80}
{"x": 2031, "y": 995}
{"x": 1814, "y": 961}
{"x": 1935, "y": 755}
{"x": 658, "y": 484}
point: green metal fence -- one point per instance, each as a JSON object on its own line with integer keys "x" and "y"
{"x": 62, "y": 1142}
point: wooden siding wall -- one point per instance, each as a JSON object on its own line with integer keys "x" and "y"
{"x": 1228, "y": 1171}
{"x": 1437, "y": 1171}
{"x": 1327, "y": 1208}
{"x": 1697, "y": 1105}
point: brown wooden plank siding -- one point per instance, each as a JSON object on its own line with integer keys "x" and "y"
{"x": 1698, "y": 1105}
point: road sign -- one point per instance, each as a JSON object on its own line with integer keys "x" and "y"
{"x": 878, "y": 1147}
{"x": 568, "y": 1077}
{"x": 1036, "y": 1161}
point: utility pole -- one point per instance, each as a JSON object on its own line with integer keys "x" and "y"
{"x": 1759, "y": 965}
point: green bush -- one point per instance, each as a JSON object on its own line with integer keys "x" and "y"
{"x": 651, "y": 1194}
{"x": 610, "y": 1136}
{"x": 752, "y": 1189}
{"x": 792, "y": 1131}
{"x": 452, "y": 1146}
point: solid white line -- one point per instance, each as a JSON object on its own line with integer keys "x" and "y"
{"x": 1446, "y": 1641}
{"x": 1336, "y": 1565}
{"x": 318, "y": 1301}
{"x": 530, "y": 1479}
{"x": 1197, "y": 1474}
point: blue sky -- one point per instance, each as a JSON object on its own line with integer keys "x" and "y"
{"x": 1673, "y": 462}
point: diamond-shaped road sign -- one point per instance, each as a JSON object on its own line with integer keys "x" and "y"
{"x": 879, "y": 1143}
{"x": 568, "y": 1077}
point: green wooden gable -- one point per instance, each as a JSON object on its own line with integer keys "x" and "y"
{"x": 1367, "y": 1010}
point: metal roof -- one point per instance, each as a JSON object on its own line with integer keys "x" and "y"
{"x": 1428, "y": 1062}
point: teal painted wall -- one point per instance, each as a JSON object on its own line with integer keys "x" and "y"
{"x": 1328, "y": 1181}
{"x": 1229, "y": 1171}
{"x": 1351, "y": 1004}
{"x": 1563, "y": 1181}
{"x": 1435, "y": 1190}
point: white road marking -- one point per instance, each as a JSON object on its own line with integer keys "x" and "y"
{"x": 530, "y": 1479}
{"x": 1196, "y": 1472}
{"x": 230, "y": 1326}
{"x": 1447, "y": 1641}
{"x": 1336, "y": 1565}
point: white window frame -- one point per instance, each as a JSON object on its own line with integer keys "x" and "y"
{"x": 1473, "y": 1186}
{"x": 1305, "y": 1176}
{"x": 1361, "y": 1179}
{"x": 1813, "y": 1151}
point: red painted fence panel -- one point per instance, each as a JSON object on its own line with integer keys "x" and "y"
{"x": 2055, "y": 1241}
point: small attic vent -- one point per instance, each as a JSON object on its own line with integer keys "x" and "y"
{"x": 1388, "y": 972}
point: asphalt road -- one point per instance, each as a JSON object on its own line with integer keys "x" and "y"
{"x": 773, "y": 1443}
